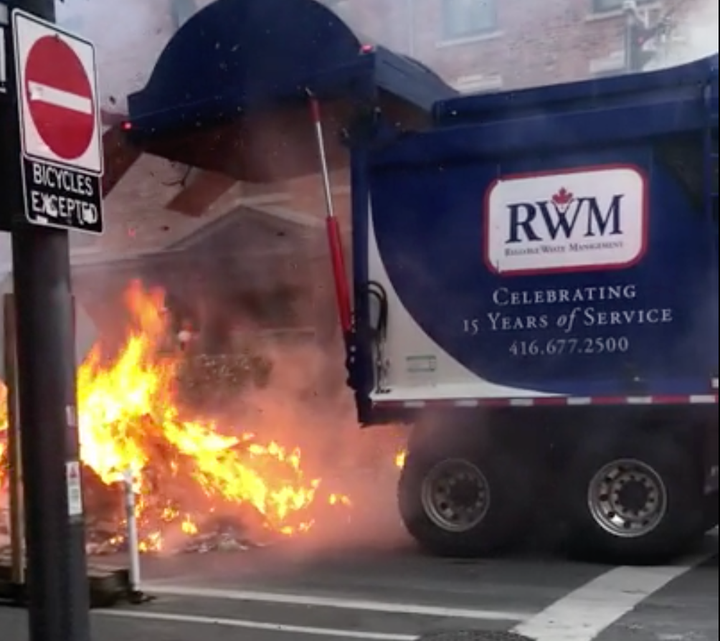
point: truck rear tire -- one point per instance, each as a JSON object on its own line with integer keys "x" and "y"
{"x": 462, "y": 501}
{"x": 633, "y": 500}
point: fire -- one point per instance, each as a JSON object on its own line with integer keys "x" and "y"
{"x": 130, "y": 420}
{"x": 400, "y": 459}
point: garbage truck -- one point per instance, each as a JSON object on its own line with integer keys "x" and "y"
{"x": 534, "y": 273}
{"x": 536, "y": 292}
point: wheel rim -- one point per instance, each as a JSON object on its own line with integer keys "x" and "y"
{"x": 456, "y": 495}
{"x": 628, "y": 498}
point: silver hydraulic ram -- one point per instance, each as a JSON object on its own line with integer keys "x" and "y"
{"x": 342, "y": 291}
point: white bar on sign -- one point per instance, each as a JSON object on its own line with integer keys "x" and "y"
{"x": 59, "y": 98}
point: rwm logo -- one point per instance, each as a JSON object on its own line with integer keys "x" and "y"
{"x": 561, "y": 216}
{"x": 590, "y": 218}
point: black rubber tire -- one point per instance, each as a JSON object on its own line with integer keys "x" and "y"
{"x": 674, "y": 535}
{"x": 505, "y": 521}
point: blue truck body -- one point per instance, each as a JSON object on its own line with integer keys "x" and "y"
{"x": 549, "y": 245}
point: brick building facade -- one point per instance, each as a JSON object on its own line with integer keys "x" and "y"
{"x": 490, "y": 45}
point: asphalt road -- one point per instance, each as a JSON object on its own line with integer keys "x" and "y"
{"x": 390, "y": 592}
{"x": 366, "y": 581}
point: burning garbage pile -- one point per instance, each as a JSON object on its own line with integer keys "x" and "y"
{"x": 198, "y": 485}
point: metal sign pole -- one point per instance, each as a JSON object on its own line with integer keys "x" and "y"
{"x": 17, "y": 512}
{"x": 4, "y": 21}
{"x": 57, "y": 588}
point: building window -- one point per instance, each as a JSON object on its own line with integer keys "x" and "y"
{"x": 182, "y": 11}
{"x": 606, "y": 6}
{"x": 468, "y": 18}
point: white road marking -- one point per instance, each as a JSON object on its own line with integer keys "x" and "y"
{"x": 583, "y": 614}
{"x": 256, "y": 625}
{"x": 338, "y": 603}
{"x": 59, "y": 98}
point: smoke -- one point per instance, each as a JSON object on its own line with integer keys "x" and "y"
{"x": 296, "y": 397}
{"x": 537, "y": 42}
{"x": 129, "y": 37}
{"x": 696, "y": 35}
{"x": 304, "y": 402}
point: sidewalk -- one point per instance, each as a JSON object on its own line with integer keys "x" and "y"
{"x": 105, "y": 627}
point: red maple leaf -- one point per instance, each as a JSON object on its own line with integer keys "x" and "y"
{"x": 563, "y": 197}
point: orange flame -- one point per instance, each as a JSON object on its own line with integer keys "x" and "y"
{"x": 129, "y": 419}
{"x": 3, "y": 431}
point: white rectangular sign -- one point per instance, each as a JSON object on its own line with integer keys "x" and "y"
{"x": 581, "y": 219}
{"x": 74, "y": 489}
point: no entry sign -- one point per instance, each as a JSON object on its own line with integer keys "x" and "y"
{"x": 60, "y": 98}
{"x": 61, "y": 133}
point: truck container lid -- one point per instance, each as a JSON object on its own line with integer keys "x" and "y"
{"x": 596, "y": 112}
{"x": 577, "y": 95}
{"x": 239, "y": 55}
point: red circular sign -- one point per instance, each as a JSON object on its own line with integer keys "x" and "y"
{"x": 60, "y": 98}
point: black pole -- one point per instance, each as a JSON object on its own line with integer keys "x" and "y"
{"x": 57, "y": 586}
